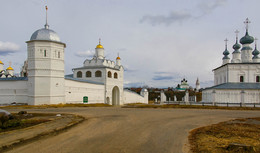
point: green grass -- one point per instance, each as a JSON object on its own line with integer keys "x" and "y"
{"x": 57, "y": 106}
{"x": 186, "y": 106}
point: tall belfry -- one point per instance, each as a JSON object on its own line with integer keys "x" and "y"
{"x": 45, "y": 67}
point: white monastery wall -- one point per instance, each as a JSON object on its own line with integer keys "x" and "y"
{"x": 75, "y": 91}
{"x": 230, "y": 96}
{"x": 13, "y": 91}
{"x": 132, "y": 97}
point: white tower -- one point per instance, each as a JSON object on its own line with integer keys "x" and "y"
{"x": 100, "y": 51}
{"x": 246, "y": 51}
{"x": 225, "y": 53}
{"x": 45, "y": 67}
{"x": 1, "y": 66}
{"x": 197, "y": 85}
{"x": 10, "y": 71}
{"x": 144, "y": 92}
{"x": 118, "y": 60}
{"x": 236, "y": 58}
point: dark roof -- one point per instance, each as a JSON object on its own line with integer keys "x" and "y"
{"x": 235, "y": 64}
{"x": 14, "y": 79}
{"x": 238, "y": 86}
{"x": 70, "y": 77}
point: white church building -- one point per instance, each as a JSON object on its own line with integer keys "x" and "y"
{"x": 43, "y": 81}
{"x": 237, "y": 80}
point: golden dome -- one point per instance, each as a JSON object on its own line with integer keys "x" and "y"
{"x": 1, "y": 62}
{"x": 99, "y": 44}
{"x": 9, "y": 68}
{"x": 118, "y": 58}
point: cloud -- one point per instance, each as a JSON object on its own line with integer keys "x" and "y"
{"x": 206, "y": 7}
{"x": 167, "y": 20}
{"x": 133, "y": 84}
{"x": 88, "y": 54}
{"x": 205, "y": 84}
{"x": 127, "y": 68}
{"x": 7, "y": 48}
{"x": 165, "y": 76}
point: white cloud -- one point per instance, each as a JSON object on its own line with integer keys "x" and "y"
{"x": 88, "y": 53}
{"x": 162, "y": 19}
{"x": 8, "y": 48}
{"x": 208, "y": 6}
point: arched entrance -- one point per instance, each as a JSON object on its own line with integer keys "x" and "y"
{"x": 115, "y": 96}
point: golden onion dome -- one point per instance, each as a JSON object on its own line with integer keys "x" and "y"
{"x": 1, "y": 62}
{"x": 118, "y": 58}
{"x": 99, "y": 44}
{"x": 9, "y": 68}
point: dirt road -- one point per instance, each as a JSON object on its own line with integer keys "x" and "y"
{"x": 122, "y": 130}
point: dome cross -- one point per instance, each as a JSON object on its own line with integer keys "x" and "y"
{"x": 247, "y": 23}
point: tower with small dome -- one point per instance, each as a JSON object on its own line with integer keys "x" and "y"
{"x": 237, "y": 80}
{"x": 45, "y": 67}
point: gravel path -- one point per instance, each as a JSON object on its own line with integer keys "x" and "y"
{"x": 124, "y": 130}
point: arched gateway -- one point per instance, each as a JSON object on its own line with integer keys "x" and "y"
{"x": 115, "y": 96}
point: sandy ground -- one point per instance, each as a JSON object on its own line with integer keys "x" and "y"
{"x": 128, "y": 130}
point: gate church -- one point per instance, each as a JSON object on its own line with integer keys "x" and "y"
{"x": 43, "y": 81}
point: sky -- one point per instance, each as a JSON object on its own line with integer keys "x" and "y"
{"x": 159, "y": 42}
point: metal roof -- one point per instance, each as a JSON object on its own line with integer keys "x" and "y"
{"x": 14, "y": 79}
{"x": 238, "y": 86}
{"x": 70, "y": 77}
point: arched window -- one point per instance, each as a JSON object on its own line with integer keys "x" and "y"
{"x": 109, "y": 74}
{"x": 257, "y": 79}
{"x": 241, "y": 78}
{"x": 115, "y": 75}
{"x": 79, "y": 74}
{"x": 45, "y": 53}
{"x": 58, "y": 54}
{"x": 98, "y": 74}
{"x": 88, "y": 74}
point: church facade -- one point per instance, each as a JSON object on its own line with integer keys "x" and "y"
{"x": 42, "y": 79}
{"x": 237, "y": 80}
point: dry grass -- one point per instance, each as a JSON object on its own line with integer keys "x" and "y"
{"x": 56, "y": 106}
{"x": 187, "y": 106}
{"x": 216, "y": 138}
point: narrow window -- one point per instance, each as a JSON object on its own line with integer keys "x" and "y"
{"x": 241, "y": 78}
{"x": 109, "y": 74}
{"x": 98, "y": 74}
{"x": 257, "y": 79}
{"x": 58, "y": 54}
{"x": 88, "y": 74}
{"x": 115, "y": 75}
{"x": 45, "y": 53}
{"x": 79, "y": 74}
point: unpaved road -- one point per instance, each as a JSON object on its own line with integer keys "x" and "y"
{"x": 128, "y": 130}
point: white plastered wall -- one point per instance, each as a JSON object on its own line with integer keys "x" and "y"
{"x": 132, "y": 97}
{"x": 13, "y": 91}
{"x": 75, "y": 91}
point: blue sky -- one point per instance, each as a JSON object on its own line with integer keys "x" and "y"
{"x": 159, "y": 42}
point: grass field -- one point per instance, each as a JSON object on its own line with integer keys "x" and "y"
{"x": 138, "y": 105}
{"x": 240, "y": 135}
{"x": 56, "y": 106}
